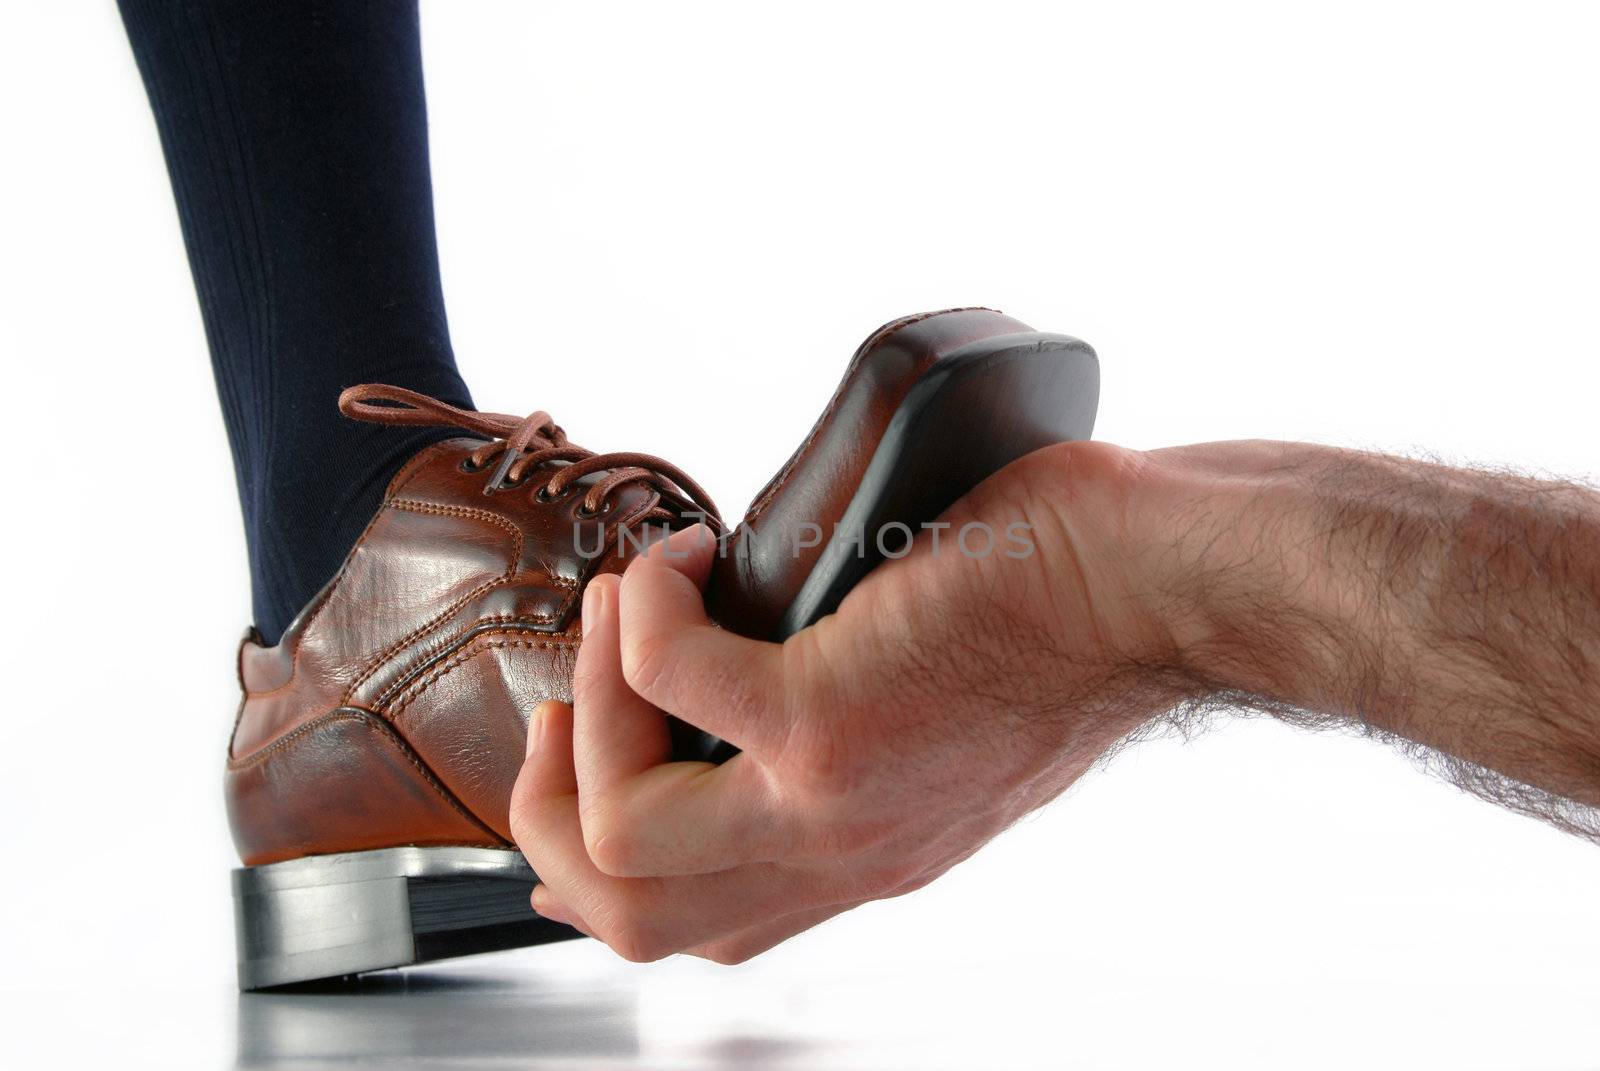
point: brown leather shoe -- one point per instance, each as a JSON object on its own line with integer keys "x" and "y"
{"x": 371, "y": 767}
{"x": 369, "y": 776}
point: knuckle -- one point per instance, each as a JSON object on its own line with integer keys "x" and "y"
{"x": 636, "y": 942}
{"x": 647, "y": 664}
{"x": 588, "y": 677}
{"x": 521, "y": 829}
{"x": 526, "y": 820}
{"x": 612, "y": 848}
{"x": 729, "y": 954}
{"x": 828, "y": 766}
{"x": 632, "y": 935}
{"x": 1077, "y": 468}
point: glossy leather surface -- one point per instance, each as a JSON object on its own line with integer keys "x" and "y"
{"x": 395, "y": 707}
{"x": 773, "y": 550}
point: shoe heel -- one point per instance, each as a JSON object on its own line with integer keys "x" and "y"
{"x": 331, "y": 915}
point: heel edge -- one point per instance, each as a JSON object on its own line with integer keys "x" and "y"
{"x": 328, "y": 916}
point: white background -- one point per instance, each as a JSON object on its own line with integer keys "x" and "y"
{"x": 669, "y": 224}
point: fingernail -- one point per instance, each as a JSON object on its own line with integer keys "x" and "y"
{"x": 535, "y": 730}
{"x": 545, "y": 903}
{"x": 541, "y": 900}
{"x": 679, "y": 544}
{"x": 593, "y": 603}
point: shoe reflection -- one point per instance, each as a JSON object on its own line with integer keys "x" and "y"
{"x": 436, "y": 1018}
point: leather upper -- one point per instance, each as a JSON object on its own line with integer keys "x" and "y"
{"x": 394, "y": 709}
{"x": 772, "y": 551}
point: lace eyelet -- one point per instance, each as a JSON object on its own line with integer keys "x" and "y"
{"x": 543, "y": 495}
{"x": 469, "y": 466}
{"x": 588, "y": 514}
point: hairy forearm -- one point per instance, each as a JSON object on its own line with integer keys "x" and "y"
{"x": 1457, "y": 610}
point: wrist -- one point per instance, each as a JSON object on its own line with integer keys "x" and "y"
{"x": 1228, "y": 548}
{"x": 1119, "y": 540}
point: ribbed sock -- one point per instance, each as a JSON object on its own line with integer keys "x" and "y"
{"x": 295, "y": 134}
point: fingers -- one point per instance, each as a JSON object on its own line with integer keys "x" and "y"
{"x": 685, "y": 833}
{"x": 632, "y": 735}
{"x": 546, "y": 789}
{"x": 692, "y": 552}
{"x": 642, "y": 815}
{"x": 546, "y": 904}
{"x": 674, "y": 656}
{"x": 547, "y": 769}
{"x": 685, "y": 818}
{"x": 648, "y": 918}
{"x": 727, "y": 917}
{"x": 642, "y": 918}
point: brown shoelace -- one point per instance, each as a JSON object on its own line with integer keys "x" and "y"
{"x": 526, "y": 443}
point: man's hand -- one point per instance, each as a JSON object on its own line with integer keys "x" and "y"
{"x": 953, "y": 692}
{"x": 1454, "y": 613}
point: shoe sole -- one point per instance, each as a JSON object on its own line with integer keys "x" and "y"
{"x": 973, "y": 413}
{"x": 325, "y": 916}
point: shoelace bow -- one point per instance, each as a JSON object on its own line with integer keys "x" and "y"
{"x": 526, "y": 443}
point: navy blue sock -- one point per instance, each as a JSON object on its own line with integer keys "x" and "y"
{"x": 295, "y": 135}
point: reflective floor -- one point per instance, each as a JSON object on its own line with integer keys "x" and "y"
{"x": 441, "y": 1016}
{"x": 504, "y": 1011}
{"x": 520, "y": 1009}
{"x": 971, "y": 1004}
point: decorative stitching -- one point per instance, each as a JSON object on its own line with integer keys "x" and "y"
{"x": 402, "y": 683}
{"x": 288, "y": 737}
{"x": 381, "y": 659}
{"x": 472, "y": 651}
{"x": 413, "y": 506}
{"x": 450, "y": 611}
{"x": 407, "y": 473}
{"x": 877, "y": 338}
